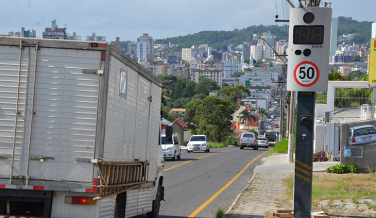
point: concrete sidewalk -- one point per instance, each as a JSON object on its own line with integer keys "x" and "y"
{"x": 263, "y": 190}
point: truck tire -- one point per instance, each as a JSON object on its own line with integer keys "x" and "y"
{"x": 156, "y": 204}
{"x": 120, "y": 205}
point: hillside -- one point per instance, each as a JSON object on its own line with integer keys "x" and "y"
{"x": 221, "y": 39}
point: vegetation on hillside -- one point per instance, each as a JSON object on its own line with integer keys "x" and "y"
{"x": 221, "y": 39}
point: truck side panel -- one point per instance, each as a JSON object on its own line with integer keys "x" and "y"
{"x": 9, "y": 71}
{"x": 138, "y": 201}
{"x": 65, "y": 112}
{"x": 154, "y": 135}
{"x": 121, "y": 113}
{"x": 124, "y": 140}
{"x": 66, "y": 102}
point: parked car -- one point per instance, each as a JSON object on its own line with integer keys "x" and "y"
{"x": 262, "y": 142}
{"x": 248, "y": 139}
{"x": 198, "y": 143}
{"x": 171, "y": 147}
{"x": 276, "y": 125}
{"x": 362, "y": 134}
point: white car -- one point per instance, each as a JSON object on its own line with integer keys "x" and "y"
{"x": 171, "y": 147}
{"x": 198, "y": 143}
{"x": 362, "y": 134}
{"x": 262, "y": 142}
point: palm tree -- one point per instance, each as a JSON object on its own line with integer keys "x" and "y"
{"x": 263, "y": 112}
{"x": 246, "y": 115}
{"x": 335, "y": 76}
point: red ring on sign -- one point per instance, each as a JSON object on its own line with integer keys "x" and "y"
{"x": 312, "y": 83}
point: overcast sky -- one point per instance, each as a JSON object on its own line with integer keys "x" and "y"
{"x": 129, "y": 19}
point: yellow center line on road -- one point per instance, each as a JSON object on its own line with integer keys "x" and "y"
{"x": 197, "y": 159}
{"x": 224, "y": 187}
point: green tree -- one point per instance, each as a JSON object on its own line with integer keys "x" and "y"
{"x": 191, "y": 117}
{"x": 181, "y": 102}
{"x": 218, "y": 112}
{"x": 246, "y": 60}
{"x": 355, "y": 75}
{"x": 237, "y": 74}
{"x": 335, "y": 76}
{"x": 205, "y": 85}
{"x": 199, "y": 96}
{"x": 234, "y": 93}
{"x": 243, "y": 90}
{"x": 247, "y": 116}
{"x": 212, "y": 112}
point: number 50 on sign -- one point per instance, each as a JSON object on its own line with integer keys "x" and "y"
{"x": 306, "y": 74}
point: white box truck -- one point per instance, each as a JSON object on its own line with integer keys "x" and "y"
{"x": 79, "y": 131}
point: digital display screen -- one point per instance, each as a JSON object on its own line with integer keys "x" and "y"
{"x": 309, "y": 35}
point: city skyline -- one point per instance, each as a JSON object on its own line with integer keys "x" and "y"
{"x": 160, "y": 19}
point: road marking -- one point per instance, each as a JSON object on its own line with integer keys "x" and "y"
{"x": 224, "y": 187}
{"x": 197, "y": 159}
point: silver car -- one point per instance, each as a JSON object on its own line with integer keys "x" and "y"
{"x": 362, "y": 134}
{"x": 248, "y": 139}
{"x": 263, "y": 142}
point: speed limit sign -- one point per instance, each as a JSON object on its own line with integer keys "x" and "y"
{"x": 308, "y": 50}
{"x": 306, "y": 74}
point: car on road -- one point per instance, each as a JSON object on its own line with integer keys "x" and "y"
{"x": 262, "y": 142}
{"x": 248, "y": 139}
{"x": 362, "y": 134}
{"x": 198, "y": 143}
{"x": 171, "y": 147}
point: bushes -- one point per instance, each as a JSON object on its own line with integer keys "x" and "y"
{"x": 342, "y": 168}
{"x": 320, "y": 156}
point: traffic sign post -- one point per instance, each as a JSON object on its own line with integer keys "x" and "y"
{"x": 308, "y": 67}
{"x": 308, "y": 51}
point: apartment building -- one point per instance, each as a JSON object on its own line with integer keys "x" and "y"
{"x": 145, "y": 46}
{"x": 215, "y": 75}
{"x": 55, "y": 32}
{"x": 124, "y": 46}
{"x": 73, "y": 37}
{"x": 96, "y": 38}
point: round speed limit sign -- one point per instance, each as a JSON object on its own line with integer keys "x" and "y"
{"x": 306, "y": 74}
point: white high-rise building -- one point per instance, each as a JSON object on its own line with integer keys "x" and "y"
{"x": 145, "y": 46}
{"x": 186, "y": 54}
{"x": 334, "y": 35}
{"x": 257, "y": 51}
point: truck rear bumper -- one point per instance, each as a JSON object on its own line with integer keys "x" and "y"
{"x": 248, "y": 145}
{"x": 19, "y": 202}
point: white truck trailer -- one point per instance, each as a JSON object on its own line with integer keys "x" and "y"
{"x": 79, "y": 131}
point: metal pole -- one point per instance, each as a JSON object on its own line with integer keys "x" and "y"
{"x": 373, "y": 104}
{"x": 291, "y": 127}
{"x": 303, "y": 154}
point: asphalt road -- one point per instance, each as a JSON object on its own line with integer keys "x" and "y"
{"x": 193, "y": 184}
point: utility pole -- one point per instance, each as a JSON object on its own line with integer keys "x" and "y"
{"x": 309, "y": 45}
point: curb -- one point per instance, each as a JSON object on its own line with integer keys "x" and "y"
{"x": 239, "y": 195}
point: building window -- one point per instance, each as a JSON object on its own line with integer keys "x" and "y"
{"x": 123, "y": 83}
